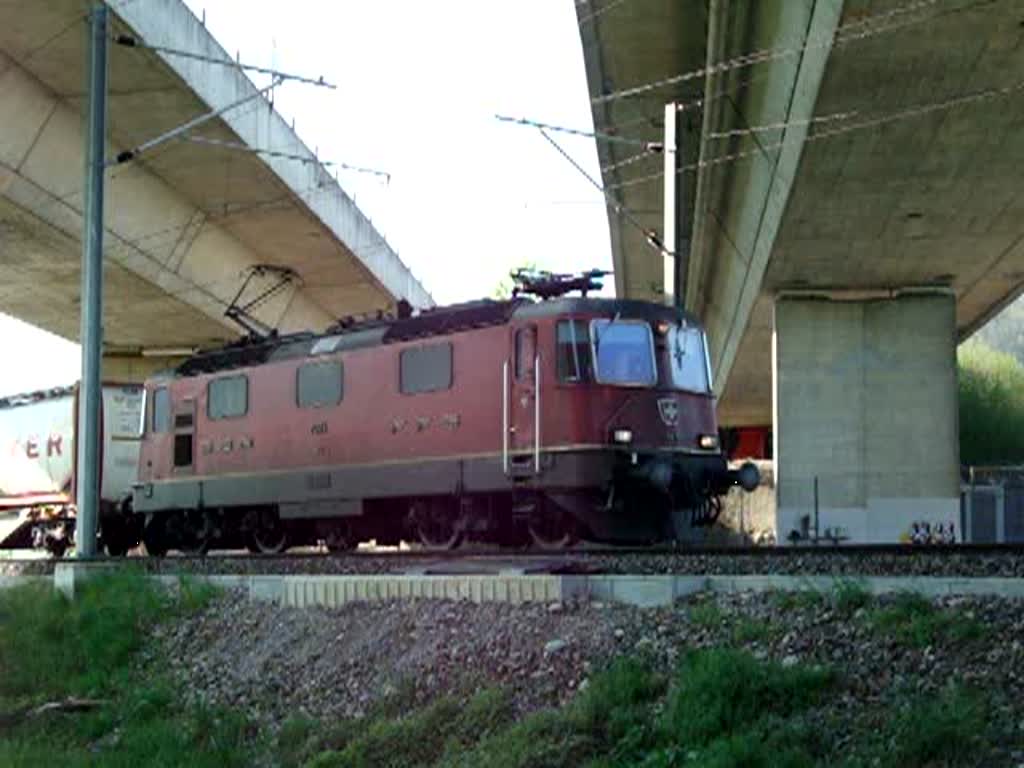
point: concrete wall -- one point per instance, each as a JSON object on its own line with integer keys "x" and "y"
{"x": 865, "y": 399}
{"x": 747, "y": 518}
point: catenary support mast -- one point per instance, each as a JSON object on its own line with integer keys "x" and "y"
{"x": 88, "y": 446}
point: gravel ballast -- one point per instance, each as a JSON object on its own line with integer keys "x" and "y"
{"x": 908, "y": 561}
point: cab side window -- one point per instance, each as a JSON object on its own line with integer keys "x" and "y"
{"x": 161, "y": 410}
{"x": 572, "y": 351}
{"x": 227, "y": 398}
{"x": 425, "y": 369}
{"x": 319, "y": 384}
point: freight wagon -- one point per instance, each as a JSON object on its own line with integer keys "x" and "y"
{"x": 37, "y": 467}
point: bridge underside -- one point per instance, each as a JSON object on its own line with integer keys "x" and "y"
{"x": 185, "y": 221}
{"x": 876, "y": 147}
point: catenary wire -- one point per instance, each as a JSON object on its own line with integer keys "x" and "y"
{"x": 650, "y": 236}
{"x": 871, "y": 122}
{"x": 655, "y": 121}
{"x": 601, "y": 11}
{"x": 872, "y": 26}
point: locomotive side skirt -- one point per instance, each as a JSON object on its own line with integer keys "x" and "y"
{"x": 571, "y": 468}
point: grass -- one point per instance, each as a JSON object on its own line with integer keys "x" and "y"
{"x": 718, "y": 690}
{"x": 52, "y": 648}
{"x": 916, "y": 622}
{"x": 747, "y": 630}
{"x": 706, "y": 615}
{"x": 846, "y": 597}
{"x": 720, "y": 708}
{"x": 797, "y": 600}
{"x": 740, "y": 630}
{"x": 947, "y": 730}
{"x": 950, "y": 729}
{"x": 850, "y": 596}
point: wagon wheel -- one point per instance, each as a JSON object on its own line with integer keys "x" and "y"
{"x": 57, "y": 547}
{"x": 269, "y": 536}
{"x": 437, "y": 525}
{"x": 551, "y": 527}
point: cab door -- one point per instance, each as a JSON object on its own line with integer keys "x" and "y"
{"x": 184, "y": 437}
{"x": 524, "y": 400}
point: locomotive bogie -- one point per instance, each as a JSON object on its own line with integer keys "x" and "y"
{"x": 511, "y": 422}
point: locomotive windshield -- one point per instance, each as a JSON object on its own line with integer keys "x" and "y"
{"x": 688, "y": 358}
{"x": 624, "y": 352}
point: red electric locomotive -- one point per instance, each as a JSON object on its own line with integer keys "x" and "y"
{"x": 508, "y": 421}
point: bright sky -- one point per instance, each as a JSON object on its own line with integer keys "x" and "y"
{"x": 418, "y": 86}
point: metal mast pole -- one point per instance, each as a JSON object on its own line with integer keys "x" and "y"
{"x": 89, "y": 395}
{"x": 676, "y": 223}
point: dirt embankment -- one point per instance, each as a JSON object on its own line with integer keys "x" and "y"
{"x": 278, "y": 662}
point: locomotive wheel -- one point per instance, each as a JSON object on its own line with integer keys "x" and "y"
{"x": 551, "y": 527}
{"x": 197, "y": 530}
{"x": 116, "y": 546}
{"x": 437, "y": 525}
{"x": 154, "y": 536}
{"x": 269, "y": 537}
{"x": 707, "y": 511}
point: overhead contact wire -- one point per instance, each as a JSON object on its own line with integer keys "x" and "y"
{"x": 840, "y": 37}
{"x": 891, "y": 117}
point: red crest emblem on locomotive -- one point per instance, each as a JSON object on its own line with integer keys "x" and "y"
{"x": 668, "y": 408}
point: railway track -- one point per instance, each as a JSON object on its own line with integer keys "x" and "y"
{"x": 967, "y": 560}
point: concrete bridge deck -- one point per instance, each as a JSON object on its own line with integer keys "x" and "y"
{"x": 852, "y": 176}
{"x": 185, "y": 221}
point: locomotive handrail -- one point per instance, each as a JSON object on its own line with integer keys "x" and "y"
{"x": 504, "y": 416}
{"x": 536, "y": 413}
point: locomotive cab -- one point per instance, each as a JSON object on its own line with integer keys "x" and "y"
{"x": 629, "y": 445}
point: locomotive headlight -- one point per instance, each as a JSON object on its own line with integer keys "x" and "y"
{"x": 708, "y": 442}
{"x": 622, "y": 436}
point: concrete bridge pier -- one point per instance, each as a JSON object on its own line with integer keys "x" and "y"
{"x": 865, "y": 412}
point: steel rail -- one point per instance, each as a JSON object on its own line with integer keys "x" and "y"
{"x": 762, "y": 552}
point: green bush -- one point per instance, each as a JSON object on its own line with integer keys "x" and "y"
{"x": 991, "y": 406}
{"x": 718, "y": 691}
